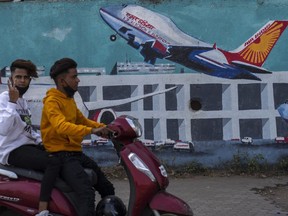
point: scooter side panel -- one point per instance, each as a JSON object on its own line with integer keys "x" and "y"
{"x": 23, "y": 210}
{"x": 168, "y": 203}
{"x": 152, "y": 162}
{"x": 22, "y": 195}
{"x": 142, "y": 188}
{"x": 60, "y": 204}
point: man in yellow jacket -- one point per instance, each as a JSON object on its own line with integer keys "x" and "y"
{"x": 63, "y": 127}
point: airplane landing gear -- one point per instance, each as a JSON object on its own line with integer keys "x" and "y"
{"x": 113, "y": 37}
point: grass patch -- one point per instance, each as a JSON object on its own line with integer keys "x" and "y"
{"x": 241, "y": 164}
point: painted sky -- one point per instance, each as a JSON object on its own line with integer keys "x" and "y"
{"x": 44, "y": 31}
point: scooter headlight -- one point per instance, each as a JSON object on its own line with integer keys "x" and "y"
{"x": 141, "y": 166}
{"x": 134, "y": 123}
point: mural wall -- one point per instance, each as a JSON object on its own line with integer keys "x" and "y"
{"x": 223, "y": 63}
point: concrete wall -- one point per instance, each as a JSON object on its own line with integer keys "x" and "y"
{"x": 44, "y": 31}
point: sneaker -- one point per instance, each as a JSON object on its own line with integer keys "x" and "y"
{"x": 43, "y": 213}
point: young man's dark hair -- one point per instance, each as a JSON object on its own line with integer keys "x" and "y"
{"x": 62, "y": 66}
{"x": 19, "y": 80}
{"x": 24, "y": 64}
{"x": 59, "y": 73}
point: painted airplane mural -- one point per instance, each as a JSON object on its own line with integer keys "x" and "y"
{"x": 156, "y": 36}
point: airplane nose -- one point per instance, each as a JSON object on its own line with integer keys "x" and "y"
{"x": 112, "y": 9}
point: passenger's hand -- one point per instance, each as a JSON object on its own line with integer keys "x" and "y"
{"x": 13, "y": 92}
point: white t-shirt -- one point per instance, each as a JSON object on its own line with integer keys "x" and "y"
{"x": 15, "y": 126}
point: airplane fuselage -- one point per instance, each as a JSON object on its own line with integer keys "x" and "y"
{"x": 147, "y": 25}
{"x": 158, "y": 37}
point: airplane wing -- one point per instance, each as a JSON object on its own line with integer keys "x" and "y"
{"x": 180, "y": 55}
{"x": 210, "y": 61}
{"x": 153, "y": 49}
{"x": 108, "y": 103}
{"x": 251, "y": 68}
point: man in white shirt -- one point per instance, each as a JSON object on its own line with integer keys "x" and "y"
{"x": 15, "y": 117}
{"x": 20, "y": 144}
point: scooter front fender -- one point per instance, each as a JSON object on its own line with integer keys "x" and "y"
{"x": 168, "y": 203}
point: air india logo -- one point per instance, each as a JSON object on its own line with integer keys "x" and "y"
{"x": 257, "y": 51}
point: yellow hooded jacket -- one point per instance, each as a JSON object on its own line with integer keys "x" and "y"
{"x": 63, "y": 126}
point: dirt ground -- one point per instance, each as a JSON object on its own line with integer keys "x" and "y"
{"x": 277, "y": 195}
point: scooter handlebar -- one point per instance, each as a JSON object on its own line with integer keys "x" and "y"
{"x": 114, "y": 132}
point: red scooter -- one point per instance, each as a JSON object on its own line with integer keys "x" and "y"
{"x": 147, "y": 176}
{"x": 20, "y": 188}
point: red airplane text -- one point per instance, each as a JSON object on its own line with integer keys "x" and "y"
{"x": 258, "y": 34}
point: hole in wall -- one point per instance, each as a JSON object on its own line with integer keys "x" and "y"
{"x": 195, "y": 104}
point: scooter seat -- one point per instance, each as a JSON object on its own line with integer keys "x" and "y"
{"x": 31, "y": 174}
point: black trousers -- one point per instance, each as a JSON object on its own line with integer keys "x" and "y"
{"x": 103, "y": 185}
{"x": 73, "y": 173}
{"x": 29, "y": 157}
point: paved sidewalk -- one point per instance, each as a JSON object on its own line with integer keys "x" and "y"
{"x": 220, "y": 196}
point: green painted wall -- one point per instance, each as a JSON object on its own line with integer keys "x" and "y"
{"x": 44, "y": 31}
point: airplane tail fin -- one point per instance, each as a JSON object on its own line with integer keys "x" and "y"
{"x": 257, "y": 48}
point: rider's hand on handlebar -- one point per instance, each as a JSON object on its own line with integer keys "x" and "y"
{"x": 103, "y": 132}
